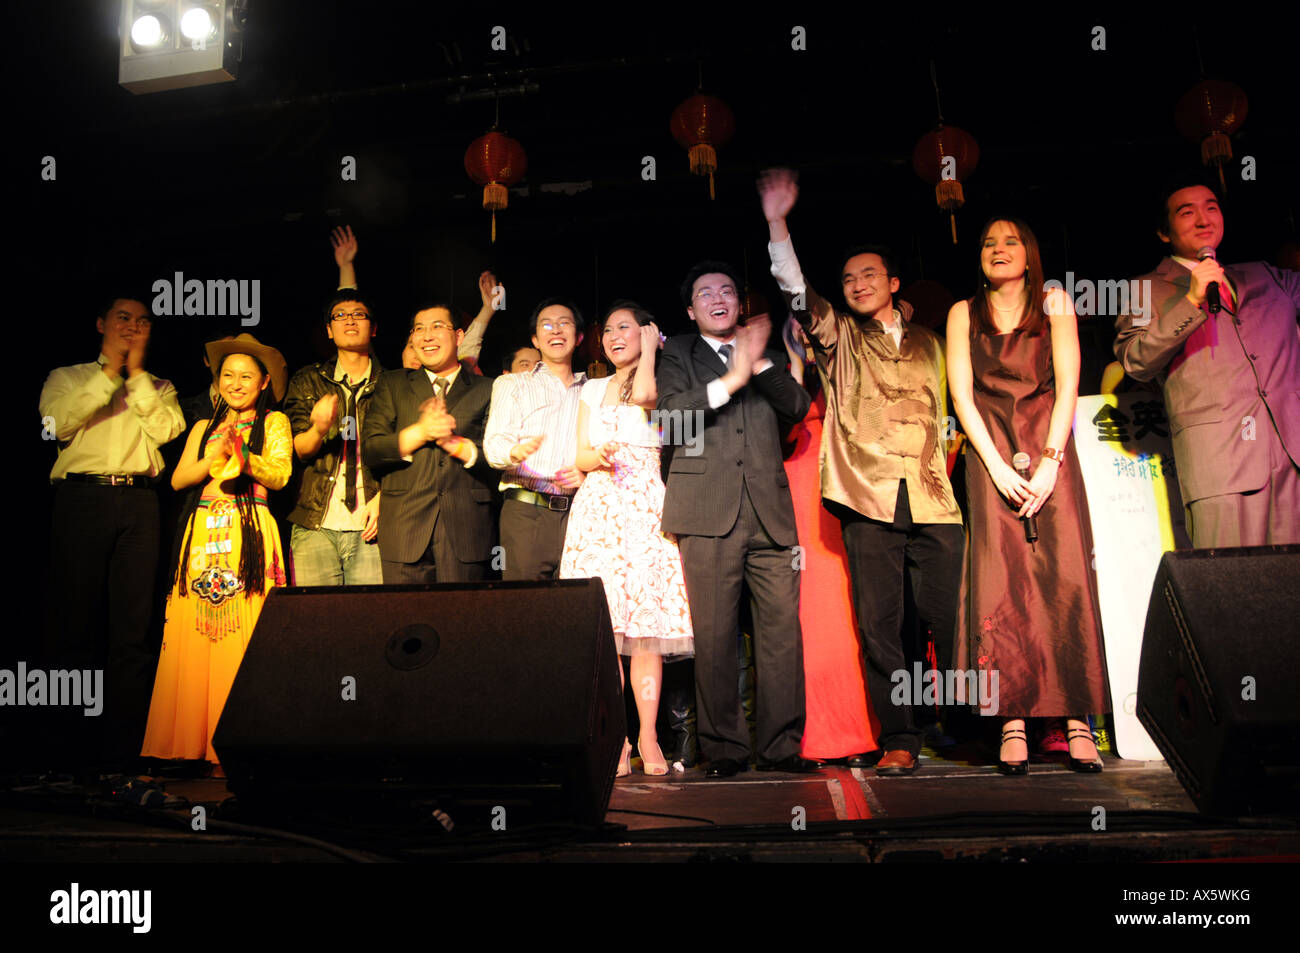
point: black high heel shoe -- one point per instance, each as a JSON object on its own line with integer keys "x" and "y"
{"x": 1076, "y": 764}
{"x": 1013, "y": 768}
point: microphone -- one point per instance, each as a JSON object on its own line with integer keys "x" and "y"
{"x": 1212, "y": 292}
{"x": 1021, "y": 462}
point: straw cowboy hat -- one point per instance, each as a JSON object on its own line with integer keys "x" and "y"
{"x": 272, "y": 359}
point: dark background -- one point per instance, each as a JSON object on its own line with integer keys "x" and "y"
{"x": 242, "y": 180}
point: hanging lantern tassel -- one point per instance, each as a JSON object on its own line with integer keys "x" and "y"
{"x": 704, "y": 161}
{"x": 702, "y": 125}
{"x": 949, "y": 196}
{"x": 495, "y": 197}
{"x": 946, "y": 155}
{"x": 1216, "y": 148}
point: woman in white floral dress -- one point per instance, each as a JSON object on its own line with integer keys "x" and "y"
{"x": 613, "y": 530}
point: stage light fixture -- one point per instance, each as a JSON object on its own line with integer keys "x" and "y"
{"x": 197, "y": 24}
{"x": 204, "y": 49}
{"x": 147, "y": 33}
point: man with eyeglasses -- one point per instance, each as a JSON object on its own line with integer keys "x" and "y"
{"x": 423, "y": 438}
{"x": 335, "y": 519}
{"x": 532, "y": 437}
{"x": 884, "y": 471}
{"x": 110, "y": 417}
{"x": 730, "y": 507}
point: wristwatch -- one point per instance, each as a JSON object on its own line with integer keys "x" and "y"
{"x": 1057, "y": 455}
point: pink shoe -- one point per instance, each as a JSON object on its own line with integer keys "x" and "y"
{"x": 1054, "y": 741}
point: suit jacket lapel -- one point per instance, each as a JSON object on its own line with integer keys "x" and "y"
{"x": 459, "y": 388}
{"x": 420, "y": 385}
{"x": 707, "y": 358}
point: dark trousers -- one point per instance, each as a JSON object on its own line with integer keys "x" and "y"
{"x": 532, "y": 538}
{"x": 880, "y": 556}
{"x": 438, "y": 563}
{"x": 103, "y": 556}
{"x": 715, "y": 570}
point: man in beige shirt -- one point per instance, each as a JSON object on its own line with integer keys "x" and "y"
{"x": 883, "y": 461}
{"x": 110, "y": 417}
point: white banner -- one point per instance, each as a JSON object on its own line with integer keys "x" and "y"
{"x": 1127, "y": 464}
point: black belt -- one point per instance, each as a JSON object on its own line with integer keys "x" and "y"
{"x": 112, "y": 479}
{"x": 557, "y": 502}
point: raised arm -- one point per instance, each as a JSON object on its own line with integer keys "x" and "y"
{"x": 645, "y": 391}
{"x": 1148, "y": 340}
{"x": 778, "y": 190}
{"x": 493, "y": 295}
{"x": 345, "y": 250}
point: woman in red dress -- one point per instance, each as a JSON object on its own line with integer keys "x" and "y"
{"x": 837, "y": 724}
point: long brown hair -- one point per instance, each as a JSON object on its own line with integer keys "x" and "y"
{"x": 1033, "y": 316}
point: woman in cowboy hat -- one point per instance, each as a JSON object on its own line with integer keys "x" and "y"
{"x": 230, "y": 554}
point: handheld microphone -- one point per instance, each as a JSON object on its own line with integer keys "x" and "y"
{"x": 1212, "y": 292}
{"x": 1021, "y": 462}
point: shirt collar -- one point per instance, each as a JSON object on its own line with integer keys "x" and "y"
{"x": 339, "y": 373}
{"x": 540, "y": 367}
{"x": 717, "y": 344}
{"x": 449, "y": 377}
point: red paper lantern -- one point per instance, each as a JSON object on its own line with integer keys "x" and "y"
{"x": 496, "y": 162}
{"x": 703, "y": 124}
{"x": 1211, "y": 111}
{"x": 945, "y": 155}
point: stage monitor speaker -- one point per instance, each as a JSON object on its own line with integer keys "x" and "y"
{"x": 477, "y": 697}
{"x": 1217, "y": 677}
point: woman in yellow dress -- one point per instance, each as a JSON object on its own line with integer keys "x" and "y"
{"x": 230, "y": 555}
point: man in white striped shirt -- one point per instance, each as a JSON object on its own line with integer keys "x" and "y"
{"x": 531, "y": 436}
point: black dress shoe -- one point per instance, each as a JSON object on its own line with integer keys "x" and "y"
{"x": 1077, "y": 764}
{"x": 724, "y": 768}
{"x": 867, "y": 759}
{"x": 1015, "y": 769}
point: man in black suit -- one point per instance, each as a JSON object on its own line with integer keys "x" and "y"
{"x": 423, "y": 435}
{"x": 729, "y": 505}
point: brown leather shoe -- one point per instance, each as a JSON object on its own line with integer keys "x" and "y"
{"x": 897, "y": 762}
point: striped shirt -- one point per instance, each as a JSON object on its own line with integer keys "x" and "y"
{"x": 531, "y": 405}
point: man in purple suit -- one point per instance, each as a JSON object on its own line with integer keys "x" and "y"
{"x": 1231, "y": 376}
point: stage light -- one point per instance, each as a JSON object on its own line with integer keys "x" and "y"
{"x": 205, "y": 48}
{"x": 147, "y": 33}
{"x": 197, "y": 25}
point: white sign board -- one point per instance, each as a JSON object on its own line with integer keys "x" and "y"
{"x": 1127, "y": 465}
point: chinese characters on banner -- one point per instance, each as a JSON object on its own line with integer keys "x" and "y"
{"x": 1127, "y": 465}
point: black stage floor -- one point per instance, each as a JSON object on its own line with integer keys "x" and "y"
{"x": 948, "y": 810}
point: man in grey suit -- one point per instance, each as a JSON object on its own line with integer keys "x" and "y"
{"x": 423, "y": 436}
{"x": 730, "y": 508}
{"x": 1231, "y": 376}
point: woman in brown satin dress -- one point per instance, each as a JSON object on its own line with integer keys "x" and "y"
{"x": 1029, "y": 612}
